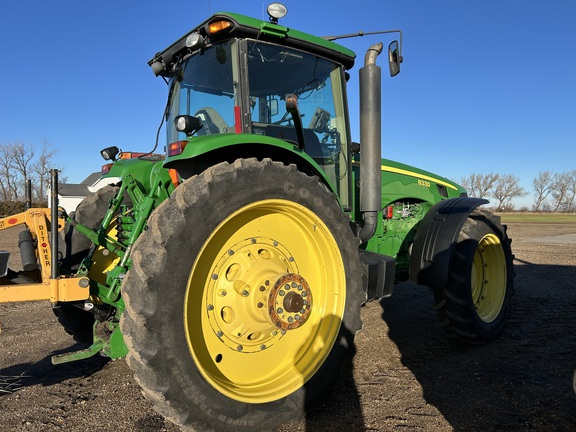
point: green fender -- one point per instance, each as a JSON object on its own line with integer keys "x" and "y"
{"x": 435, "y": 239}
{"x": 202, "y": 151}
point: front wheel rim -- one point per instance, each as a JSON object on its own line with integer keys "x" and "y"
{"x": 489, "y": 278}
{"x": 265, "y": 301}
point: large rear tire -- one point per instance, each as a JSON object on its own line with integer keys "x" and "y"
{"x": 476, "y": 302}
{"x": 243, "y": 298}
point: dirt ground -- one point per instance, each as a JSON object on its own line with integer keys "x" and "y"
{"x": 407, "y": 374}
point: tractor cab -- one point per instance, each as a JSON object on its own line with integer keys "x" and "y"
{"x": 235, "y": 75}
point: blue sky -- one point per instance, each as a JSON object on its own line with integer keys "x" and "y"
{"x": 486, "y": 86}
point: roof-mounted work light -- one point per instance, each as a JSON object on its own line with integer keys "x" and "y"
{"x": 276, "y": 11}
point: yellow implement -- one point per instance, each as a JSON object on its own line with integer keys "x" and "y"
{"x": 39, "y": 280}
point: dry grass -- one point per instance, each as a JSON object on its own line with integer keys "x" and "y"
{"x": 533, "y": 217}
{"x": 9, "y": 384}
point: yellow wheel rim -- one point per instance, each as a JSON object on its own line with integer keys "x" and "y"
{"x": 264, "y": 301}
{"x": 489, "y": 278}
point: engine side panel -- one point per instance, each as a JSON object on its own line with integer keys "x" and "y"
{"x": 408, "y": 194}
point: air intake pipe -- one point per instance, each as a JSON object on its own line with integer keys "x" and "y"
{"x": 370, "y": 142}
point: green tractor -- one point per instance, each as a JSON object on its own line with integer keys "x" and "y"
{"x": 231, "y": 272}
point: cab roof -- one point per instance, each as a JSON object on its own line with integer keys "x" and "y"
{"x": 247, "y": 27}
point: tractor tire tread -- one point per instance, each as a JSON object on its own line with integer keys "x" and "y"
{"x": 454, "y": 303}
{"x": 144, "y": 310}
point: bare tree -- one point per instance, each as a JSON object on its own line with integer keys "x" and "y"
{"x": 479, "y": 185}
{"x": 8, "y": 182}
{"x": 543, "y": 184}
{"x": 41, "y": 170}
{"x": 561, "y": 192}
{"x": 564, "y": 192}
{"x": 572, "y": 190}
{"x": 506, "y": 188}
{"x": 22, "y": 155}
{"x": 18, "y": 164}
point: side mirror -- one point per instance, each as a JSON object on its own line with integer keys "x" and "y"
{"x": 394, "y": 58}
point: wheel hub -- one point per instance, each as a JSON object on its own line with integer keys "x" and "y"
{"x": 289, "y": 302}
{"x": 256, "y": 295}
{"x": 489, "y": 278}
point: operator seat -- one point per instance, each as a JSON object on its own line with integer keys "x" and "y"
{"x": 212, "y": 122}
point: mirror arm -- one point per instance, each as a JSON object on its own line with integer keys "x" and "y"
{"x": 361, "y": 33}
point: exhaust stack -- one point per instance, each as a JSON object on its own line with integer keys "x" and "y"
{"x": 370, "y": 141}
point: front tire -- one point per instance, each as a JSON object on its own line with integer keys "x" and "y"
{"x": 476, "y": 302}
{"x": 243, "y": 299}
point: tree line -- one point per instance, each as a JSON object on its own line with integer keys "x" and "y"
{"x": 20, "y": 162}
{"x": 553, "y": 192}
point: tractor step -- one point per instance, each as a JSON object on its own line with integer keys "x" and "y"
{"x": 92, "y": 350}
{"x": 380, "y": 272}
